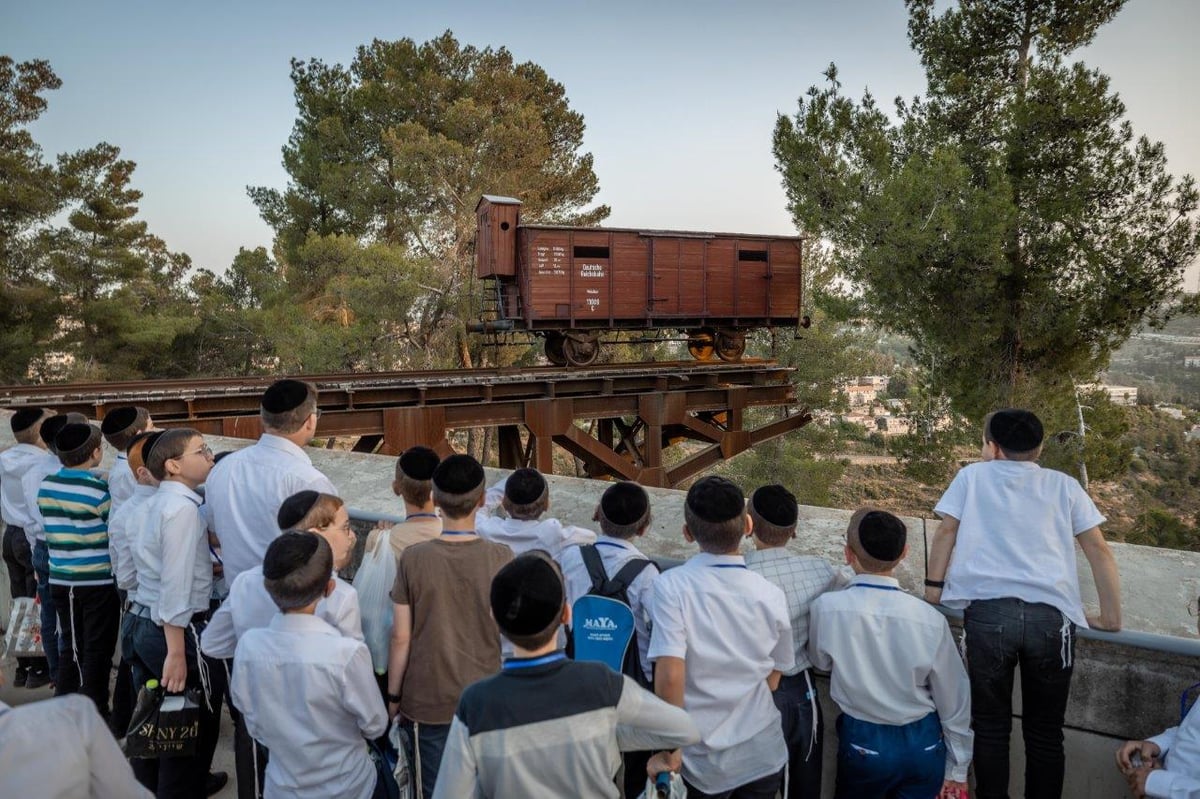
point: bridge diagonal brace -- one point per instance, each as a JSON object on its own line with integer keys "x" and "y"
{"x": 594, "y": 453}
{"x": 734, "y": 442}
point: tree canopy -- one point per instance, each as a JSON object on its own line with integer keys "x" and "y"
{"x": 1009, "y": 221}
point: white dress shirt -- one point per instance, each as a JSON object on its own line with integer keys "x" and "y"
{"x": 1180, "y": 776}
{"x": 245, "y": 491}
{"x": 121, "y": 481}
{"x": 31, "y": 483}
{"x": 802, "y": 578}
{"x": 61, "y": 748}
{"x": 174, "y": 570}
{"x": 14, "y": 463}
{"x": 730, "y": 626}
{"x": 893, "y": 661}
{"x": 615, "y": 553}
{"x": 1017, "y": 524}
{"x": 522, "y": 535}
{"x": 122, "y": 523}
{"x": 250, "y": 607}
{"x": 309, "y": 695}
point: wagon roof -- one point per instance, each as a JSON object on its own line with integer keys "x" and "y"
{"x": 694, "y": 234}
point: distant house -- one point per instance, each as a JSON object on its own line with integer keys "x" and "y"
{"x": 877, "y": 382}
{"x": 1191, "y": 362}
{"x": 860, "y": 395}
{"x": 1119, "y": 395}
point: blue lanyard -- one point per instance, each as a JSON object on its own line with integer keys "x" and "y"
{"x": 876, "y": 587}
{"x": 612, "y": 544}
{"x": 1184, "y": 704}
{"x": 727, "y": 565}
{"x": 510, "y": 665}
{"x": 420, "y": 516}
{"x": 458, "y": 532}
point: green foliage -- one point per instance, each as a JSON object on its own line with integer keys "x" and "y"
{"x": 1159, "y": 528}
{"x": 789, "y": 463}
{"x": 1009, "y": 222}
{"x": 1103, "y": 447}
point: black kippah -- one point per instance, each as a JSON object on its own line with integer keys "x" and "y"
{"x": 882, "y": 536}
{"x": 524, "y": 486}
{"x": 52, "y": 426}
{"x": 624, "y": 503}
{"x": 289, "y": 552}
{"x": 73, "y": 437}
{"x": 776, "y": 505}
{"x": 284, "y": 396}
{"x": 418, "y": 463}
{"x": 458, "y": 474}
{"x": 527, "y": 596}
{"x": 715, "y": 499}
{"x": 295, "y": 508}
{"x": 1015, "y": 430}
{"x": 151, "y": 441}
{"x": 26, "y": 418}
{"x": 118, "y": 420}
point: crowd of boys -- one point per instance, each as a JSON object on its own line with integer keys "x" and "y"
{"x": 722, "y": 694}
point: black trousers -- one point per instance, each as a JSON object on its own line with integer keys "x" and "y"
{"x": 763, "y": 788}
{"x": 804, "y": 732}
{"x": 249, "y": 756}
{"x": 89, "y": 618}
{"x": 18, "y": 558}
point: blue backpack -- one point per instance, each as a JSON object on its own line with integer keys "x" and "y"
{"x": 602, "y": 626}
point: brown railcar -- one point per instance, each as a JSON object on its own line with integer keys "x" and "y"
{"x": 567, "y": 284}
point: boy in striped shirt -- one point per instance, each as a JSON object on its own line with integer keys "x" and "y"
{"x": 74, "y": 505}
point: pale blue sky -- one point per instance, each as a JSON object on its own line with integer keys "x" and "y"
{"x": 680, "y": 98}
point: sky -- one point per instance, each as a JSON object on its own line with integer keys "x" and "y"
{"x": 680, "y": 98}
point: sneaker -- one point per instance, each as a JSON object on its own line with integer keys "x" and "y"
{"x": 21, "y": 675}
{"x": 37, "y": 679}
{"x": 216, "y": 781}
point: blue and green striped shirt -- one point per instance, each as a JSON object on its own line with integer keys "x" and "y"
{"x": 74, "y": 504}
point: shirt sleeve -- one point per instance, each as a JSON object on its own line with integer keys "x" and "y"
{"x": 360, "y": 693}
{"x": 646, "y": 722}
{"x": 111, "y": 775}
{"x": 178, "y": 543}
{"x": 322, "y": 484}
{"x": 1164, "y": 784}
{"x": 400, "y": 586}
{"x": 784, "y": 651}
{"x": 1084, "y": 513}
{"x": 955, "y": 497}
{"x": 219, "y": 639}
{"x": 816, "y": 652}
{"x": 669, "y": 634}
{"x": 951, "y": 692}
{"x": 1165, "y": 739}
{"x": 457, "y": 778}
{"x": 347, "y": 616}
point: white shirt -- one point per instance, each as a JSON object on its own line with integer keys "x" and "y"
{"x": 802, "y": 578}
{"x": 893, "y": 661}
{"x": 522, "y": 535}
{"x": 614, "y": 554}
{"x": 1180, "y": 776}
{"x": 1017, "y": 524}
{"x": 121, "y": 482}
{"x": 250, "y": 607}
{"x": 309, "y": 695}
{"x": 31, "y": 483}
{"x": 14, "y": 463}
{"x": 61, "y": 748}
{"x": 174, "y": 571}
{"x": 122, "y": 523}
{"x": 245, "y": 491}
{"x": 731, "y": 628}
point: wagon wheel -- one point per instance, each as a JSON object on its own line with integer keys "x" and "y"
{"x": 581, "y": 350}
{"x": 730, "y": 345}
{"x": 700, "y": 345}
{"x": 554, "y": 349}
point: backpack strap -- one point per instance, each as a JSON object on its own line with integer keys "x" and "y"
{"x": 626, "y": 575}
{"x": 595, "y": 566}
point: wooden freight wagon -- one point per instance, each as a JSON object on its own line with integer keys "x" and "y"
{"x": 569, "y": 284}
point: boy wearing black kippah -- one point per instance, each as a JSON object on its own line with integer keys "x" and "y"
{"x": 895, "y": 675}
{"x": 802, "y": 578}
{"x": 525, "y": 497}
{"x": 413, "y": 484}
{"x": 1004, "y": 552}
{"x": 120, "y": 426}
{"x": 720, "y": 641}
{"x": 545, "y": 725}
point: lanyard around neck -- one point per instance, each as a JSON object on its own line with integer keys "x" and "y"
{"x": 876, "y": 587}
{"x": 510, "y": 665}
{"x": 458, "y": 532}
{"x": 421, "y": 515}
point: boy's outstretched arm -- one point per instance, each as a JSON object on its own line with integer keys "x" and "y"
{"x": 644, "y": 721}
{"x": 939, "y": 556}
{"x": 1108, "y": 580}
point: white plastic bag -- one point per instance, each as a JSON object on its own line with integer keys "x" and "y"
{"x": 25, "y": 628}
{"x": 373, "y": 581}
{"x": 403, "y": 772}
{"x": 675, "y": 790}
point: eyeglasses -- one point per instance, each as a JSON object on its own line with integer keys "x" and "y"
{"x": 205, "y": 451}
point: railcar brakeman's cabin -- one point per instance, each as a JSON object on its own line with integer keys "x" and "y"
{"x": 569, "y": 284}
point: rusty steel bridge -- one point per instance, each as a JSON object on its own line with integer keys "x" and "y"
{"x": 617, "y": 419}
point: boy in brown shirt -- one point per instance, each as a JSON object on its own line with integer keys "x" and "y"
{"x": 443, "y": 636}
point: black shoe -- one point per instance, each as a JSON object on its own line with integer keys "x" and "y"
{"x": 20, "y": 677}
{"x": 37, "y": 678}
{"x": 216, "y": 781}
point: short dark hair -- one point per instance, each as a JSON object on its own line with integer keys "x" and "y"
{"x": 27, "y": 424}
{"x": 775, "y": 513}
{"x": 121, "y": 425}
{"x": 308, "y": 510}
{"x": 458, "y": 485}
{"x": 715, "y": 514}
{"x": 877, "y": 538}
{"x": 296, "y": 569}
{"x": 623, "y": 510}
{"x": 298, "y": 408}
{"x": 1017, "y": 432}
{"x": 85, "y": 441}
{"x": 53, "y": 425}
{"x": 169, "y": 446}
{"x": 526, "y": 591}
{"x": 414, "y": 475}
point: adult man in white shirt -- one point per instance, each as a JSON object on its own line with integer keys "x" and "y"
{"x": 244, "y": 491}
{"x": 525, "y": 497}
{"x": 120, "y": 426}
{"x": 1005, "y": 553}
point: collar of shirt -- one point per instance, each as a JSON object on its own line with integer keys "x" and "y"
{"x": 121, "y": 456}
{"x": 68, "y": 471}
{"x": 718, "y": 561}
{"x": 764, "y": 555}
{"x": 283, "y": 445}
{"x": 302, "y": 623}
{"x": 175, "y": 487}
{"x": 876, "y": 581}
{"x": 144, "y": 491}
{"x": 608, "y": 541}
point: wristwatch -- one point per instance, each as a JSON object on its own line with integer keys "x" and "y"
{"x": 393, "y": 699}
{"x": 935, "y": 583}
